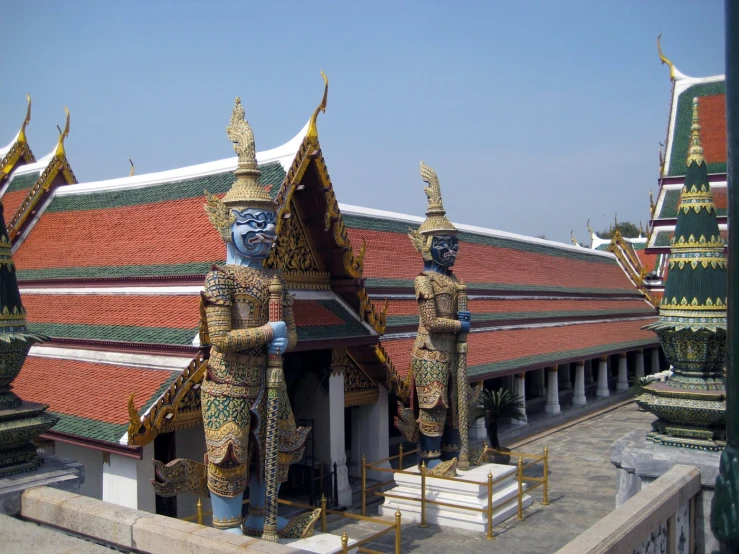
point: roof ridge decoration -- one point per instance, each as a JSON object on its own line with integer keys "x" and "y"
{"x": 312, "y": 126}
{"x": 695, "y": 151}
{"x": 675, "y": 74}
{"x": 19, "y": 149}
{"x": 43, "y": 184}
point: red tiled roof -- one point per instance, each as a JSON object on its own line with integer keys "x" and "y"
{"x": 311, "y": 313}
{"x": 122, "y": 236}
{"x": 712, "y": 114}
{"x": 85, "y": 389}
{"x": 163, "y": 311}
{"x": 520, "y": 348}
{"x": 647, "y": 260}
{"x": 12, "y": 201}
{"x": 391, "y": 256}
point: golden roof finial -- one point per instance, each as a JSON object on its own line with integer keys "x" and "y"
{"x": 652, "y": 206}
{"x": 641, "y": 230}
{"x": 695, "y": 152}
{"x": 62, "y": 135}
{"x": 26, "y": 121}
{"x": 664, "y": 59}
{"x": 615, "y": 221}
{"x": 133, "y": 169}
{"x": 312, "y": 126}
{"x": 589, "y": 229}
{"x": 573, "y": 239}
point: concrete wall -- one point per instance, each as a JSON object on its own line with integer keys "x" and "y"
{"x": 190, "y": 444}
{"x": 93, "y": 462}
{"x": 127, "y": 481}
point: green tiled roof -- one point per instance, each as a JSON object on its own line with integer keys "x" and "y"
{"x": 671, "y": 201}
{"x": 378, "y": 224}
{"x": 663, "y": 238}
{"x": 23, "y": 182}
{"x": 683, "y": 120}
{"x": 488, "y": 370}
{"x": 376, "y": 282}
{"x": 120, "y": 333}
{"x": 93, "y": 272}
{"x": 272, "y": 174}
{"x": 405, "y": 320}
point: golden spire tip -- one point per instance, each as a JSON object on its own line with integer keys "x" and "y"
{"x": 312, "y": 126}
{"x": 664, "y": 59}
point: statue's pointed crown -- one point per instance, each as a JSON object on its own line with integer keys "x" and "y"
{"x": 436, "y": 221}
{"x": 246, "y": 192}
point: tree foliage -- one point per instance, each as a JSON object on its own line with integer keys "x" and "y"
{"x": 628, "y": 230}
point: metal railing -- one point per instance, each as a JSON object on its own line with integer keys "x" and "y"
{"x": 395, "y": 525}
{"x": 490, "y": 483}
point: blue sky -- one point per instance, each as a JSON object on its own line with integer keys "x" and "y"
{"x": 537, "y": 115}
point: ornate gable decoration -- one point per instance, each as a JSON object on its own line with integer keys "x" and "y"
{"x": 358, "y": 388}
{"x": 20, "y": 148}
{"x": 178, "y": 408}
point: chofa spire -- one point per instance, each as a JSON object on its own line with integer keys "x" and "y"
{"x": 695, "y": 152}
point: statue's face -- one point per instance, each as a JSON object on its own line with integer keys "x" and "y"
{"x": 444, "y": 250}
{"x": 253, "y": 232}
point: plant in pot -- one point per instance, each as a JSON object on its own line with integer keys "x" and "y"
{"x": 496, "y": 406}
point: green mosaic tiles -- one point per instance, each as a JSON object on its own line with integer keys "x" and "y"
{"x": 96, "y": 272}
{"x": 118, "y": 333}
{"x": 23, "y": 182}
{"x": 272, "y": 174}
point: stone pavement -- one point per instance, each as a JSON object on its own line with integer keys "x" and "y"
{"x": 582, "y": 489}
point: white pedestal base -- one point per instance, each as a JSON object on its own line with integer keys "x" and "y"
{"x": 505, "y": 498}
{"x": 321, "y": 543}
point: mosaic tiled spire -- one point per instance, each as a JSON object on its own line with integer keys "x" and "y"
{"x": 691, "y": 405}
{"x": 695, "y": 292}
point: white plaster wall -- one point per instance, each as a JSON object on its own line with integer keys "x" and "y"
{"x": 93, "y": 462}
{"x": 119, "y": 481}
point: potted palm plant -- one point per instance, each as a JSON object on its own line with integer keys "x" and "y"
{"x": 495, "y": 406}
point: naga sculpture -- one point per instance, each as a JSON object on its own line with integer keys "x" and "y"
{"x": 433, "y": 419}
{"x": 247, "y": 445}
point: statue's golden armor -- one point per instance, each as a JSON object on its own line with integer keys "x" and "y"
{"x": 234, "y": 391}
{"x": 434, "y": 356}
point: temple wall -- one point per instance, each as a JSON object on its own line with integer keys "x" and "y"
{"x": 93, "y": 462}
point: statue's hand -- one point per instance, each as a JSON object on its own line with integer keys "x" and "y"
{"x": 465, "y": 317}
{"x": 279, "y": 329}
{"x": 277, "y": 346}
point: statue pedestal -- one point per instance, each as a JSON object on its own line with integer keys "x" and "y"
{"x": 58, "y": 473}
{"x": 505, "y": 498}
{"x": 321, "y": 543}
{"x": 639, "y": 462}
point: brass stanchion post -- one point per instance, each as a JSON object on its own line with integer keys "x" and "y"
{"x": 397, "y": 531}
{"x": 199, "y": 506}
{"x": 344, "y": 543}
{"x": 423, "y": 495}
{"x": 364, "y": 485}
{"x": 400, "y": 457}
{"x": 490, "y": 506}
{"x": 545, "y": 500}
{"x": 323, "y": 513}
{"x": 519, "y": 516}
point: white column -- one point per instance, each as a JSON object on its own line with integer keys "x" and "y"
{"x": 519, "y": 388}
{"x": 538, "y": 386}
{"x": 603, "y": 377}
{"x": 336, "y": 430}
{"x": 478, "y": 431}
{"x": 578, "y": 398}
{"x": 564, "y": 377}
{"x": 639, "y": 370}
{"x": 623, "y": 373}
{"x": 552, "y": 405}
{"x": 655, "y": 360}
{"x": 372, "y": 440}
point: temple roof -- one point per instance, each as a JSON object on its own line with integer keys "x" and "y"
{"x": 534, "y": 302}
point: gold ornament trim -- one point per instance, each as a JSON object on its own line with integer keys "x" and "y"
{"x": 359, "y": 388}
{"x": 695, "y": 152}
{"x": 395, "y": 383}
{"x": 312, "y": 127}
{"x": 293, "y": 250}
{"x": 19, "y": 149}
{"x": 178, "y": 408}
{"x": 664, "y": 59}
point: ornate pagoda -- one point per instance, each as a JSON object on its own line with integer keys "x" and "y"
{"x": 691, "y": 406}
{"x": 20, "y": 422}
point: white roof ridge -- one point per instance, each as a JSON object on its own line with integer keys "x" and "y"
{"x": 5, "y": 149}
{"x": 348, "y": 209}
{"x": 284, "y": 154}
